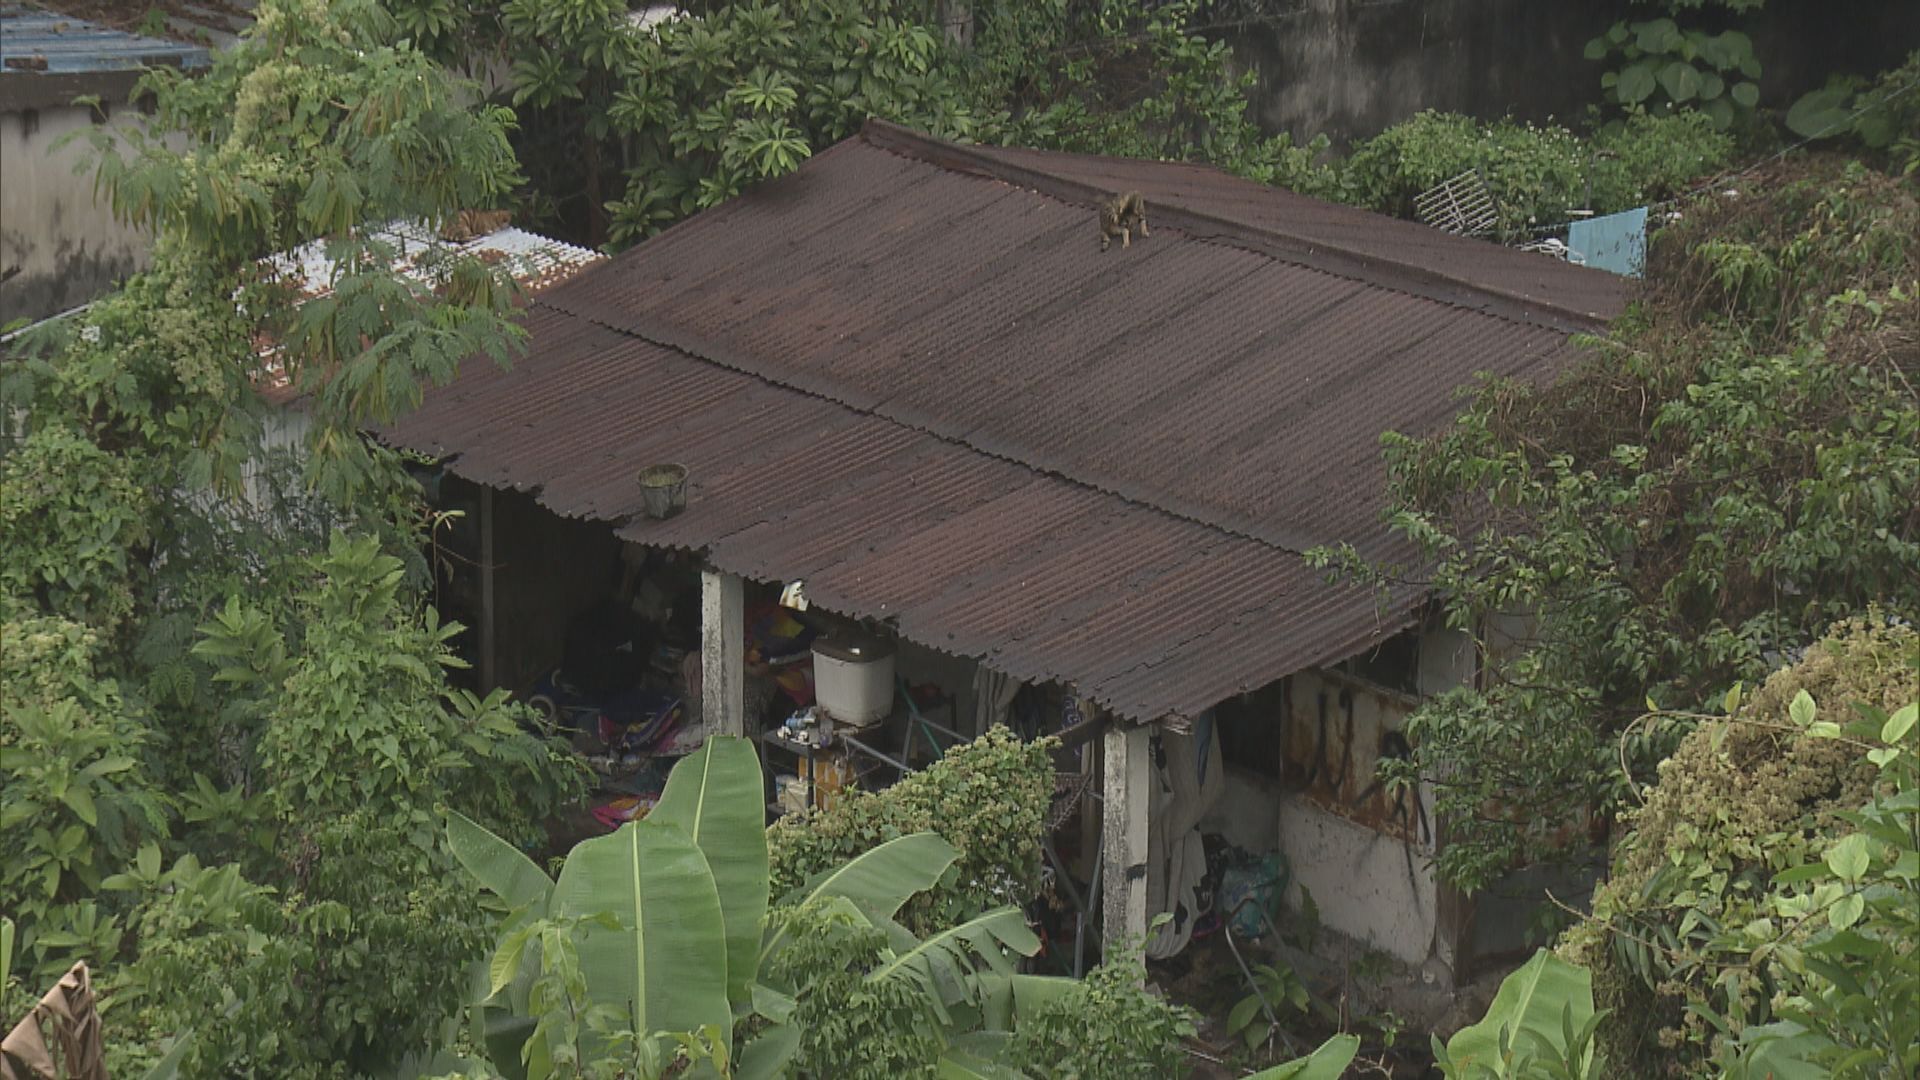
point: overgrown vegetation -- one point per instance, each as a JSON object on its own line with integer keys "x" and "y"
{"x": 987, "y": 798}
{"x": 1694, "y": 937}
{"x": 656, "y": 950}
{"x": 1883, "y": 115}
{"x": 684, "y": 115}
{"x": 1537, "y": 175}
{"x": 1734, "y": 466}
{"x": 227, "y": 730}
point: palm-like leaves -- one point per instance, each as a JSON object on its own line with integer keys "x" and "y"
{"x": 672, "y": 912}
{"x": 942, "y": 966}
{"x": 714, "y": 797}
{"x": 666, "y": 964}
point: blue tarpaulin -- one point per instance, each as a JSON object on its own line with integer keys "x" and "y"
{"x": 1617, "y": 242}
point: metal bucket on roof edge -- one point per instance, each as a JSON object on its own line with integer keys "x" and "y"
{"x": 664, "y": 490}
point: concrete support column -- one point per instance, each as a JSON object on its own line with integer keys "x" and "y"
{"x": 489, "y": 667}
{"x": 1127, "y": 795}
{"x": 723, "y": 653}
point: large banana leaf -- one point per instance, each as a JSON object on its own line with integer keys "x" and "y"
{"x": 878, "y": 881}
{"x": 666, "y": 966}
{"x": 942, "y": 966}
{"x": 1535, "y": 1002}
{"x": 1327, "y": 1063}
{"x": 714, "y": 796}
{"x": 976, "y": 1057}
{"x": 504, "y": 869}
{"x": 881, "y": 880}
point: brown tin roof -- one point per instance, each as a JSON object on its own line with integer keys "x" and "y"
{"x": 907, "y": 374}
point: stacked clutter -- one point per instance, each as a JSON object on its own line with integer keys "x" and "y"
{"x": 628, "y": 688}
{"x": 810, "y": 731}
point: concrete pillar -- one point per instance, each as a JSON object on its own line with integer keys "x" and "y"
{"x": 1127, "y": 796}
{"x": 723, "y": 653}
{"x": 489, "y": 668}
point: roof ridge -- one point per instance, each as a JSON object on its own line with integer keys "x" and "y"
{"x": 1318, "y": 255}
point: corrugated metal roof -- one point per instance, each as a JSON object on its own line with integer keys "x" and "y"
{"x": 32, "y": 40}
{"x": 907, "y": 375}
{"x": 534, "y": 262}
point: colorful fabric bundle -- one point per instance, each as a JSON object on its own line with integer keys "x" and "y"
{"x": 632, "y": 722}
{"x": 624, "y": 809}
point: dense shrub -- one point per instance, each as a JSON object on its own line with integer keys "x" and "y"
{"x": 1105, "y": 1027}
{"x": 72, "y": 516}
{"x": 1537, "y": 174}
{"x": 851, "y": 1026}
{"x": 76, "y": 797}
{"x": 988, "y": 798}
{"x": 351, "y": 966}
{"x": 1740, "y": 801}
{"x": 1734, "y": 467}
{"x": 1646, "y": 158}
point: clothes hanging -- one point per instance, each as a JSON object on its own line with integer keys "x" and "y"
{"x": 1191, "y": 779}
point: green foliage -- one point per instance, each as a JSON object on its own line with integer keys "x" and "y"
{"x": 1710, "y": 855}
{"x": 1848, "y": 996}
{"x": 629, "y": 130}
{"x": 375, "y": 727}
{"x": 1279, "y": 990}
{"x": 321, "y": 119}
{"x": 289, "y": 759}
{"x": 1664, "y": 68}
{"x": 1328, "y": 1062}
{"x": 156, "y": 370}
{"x": 1734, "y": 467}
{"x": 710, "y": 805}
{"x": 1106, "y": 1026}
{"x": 850, "y": 1025}
{"x": 1646, "y": 158}
{"x": 76, "y": 801}
{"x": 342, "y": 973}
{"x": 1541, "y": 1024}
{"x": 1125, "y": 79}
{"x": 318, "y": 124}
{"x": 836, "y": 987}
{"x": 1882, "y": 116}
{"x": 71, "y": 518}
{"x": 987, "y": 798}
{"x": 1537, "y": 175}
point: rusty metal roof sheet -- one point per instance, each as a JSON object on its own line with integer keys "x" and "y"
{"x": 907, "y": 375}
{"x": 45, "y": 42}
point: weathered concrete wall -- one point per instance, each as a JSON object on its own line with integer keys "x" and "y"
{"x": 1338, "y": 730}
{"x": 1366, "y": 853}
{"x": 1368, "y": 886}
{"x": 59, "y": 248}
{"x": 1350, "y": 68}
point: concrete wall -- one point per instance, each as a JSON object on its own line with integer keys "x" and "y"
{"x": 1364, "y": 852}
{"x": 59, "y": 248}
{"x": 1367, "y": 886}
{"x": 1349, "y": 68}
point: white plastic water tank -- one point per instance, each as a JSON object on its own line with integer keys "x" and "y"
{"x": 853, "y": 678}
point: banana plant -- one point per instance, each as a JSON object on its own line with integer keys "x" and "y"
{"x": 670, "y": 914}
